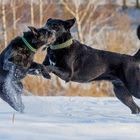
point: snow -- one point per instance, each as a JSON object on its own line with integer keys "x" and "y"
{"x": 69, "y": 118}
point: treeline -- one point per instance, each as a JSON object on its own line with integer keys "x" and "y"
{"x": 93, "y": 27}
{"x": 16, "y": 15}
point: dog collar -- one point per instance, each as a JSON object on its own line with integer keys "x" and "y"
{"x": 28, "y": 45}
{"x": 63, "y": 45}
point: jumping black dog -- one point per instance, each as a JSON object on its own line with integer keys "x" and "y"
{"x": 73, "y": 61}
{"x": 16, "y": 61}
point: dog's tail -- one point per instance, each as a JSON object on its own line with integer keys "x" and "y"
{"x": 137, "y": 55}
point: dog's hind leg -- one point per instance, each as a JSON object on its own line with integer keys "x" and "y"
{"x": 11, "y": 94}
{"x": 124, "y": 96}
{"x": 132, "y": 80}
{"x": 11, "y": 90}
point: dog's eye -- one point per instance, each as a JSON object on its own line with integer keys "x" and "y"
{"x": 55, "y": 27}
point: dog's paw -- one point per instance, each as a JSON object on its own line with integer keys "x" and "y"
{"x": 136, "y": 110}
{"x": 45, "y": 71}
{"x": 46, "y": 75}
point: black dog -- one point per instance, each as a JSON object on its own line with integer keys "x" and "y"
{"x": 16, "y": 61}
{"x": 72, "y": 61}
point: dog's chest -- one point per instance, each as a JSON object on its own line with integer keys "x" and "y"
{"x": 22, "y": 57}
{"x": 51, "y": 62}
{"x": 59, "y": 58}
{"x": 63, "y": 61}
{"x": 52, "y": 58}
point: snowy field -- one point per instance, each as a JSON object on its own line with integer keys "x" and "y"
{"x": 69, "y": 118}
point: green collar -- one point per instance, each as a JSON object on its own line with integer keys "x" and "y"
{"x": 63, "y": 45}
{"x": 28, "y": 45}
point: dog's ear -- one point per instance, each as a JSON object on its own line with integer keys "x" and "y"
{"x": 69, "y": 23}
{"x": 33, "y": 30}
{"x": 138, "y": 31}
{"x": 49, "y": 19}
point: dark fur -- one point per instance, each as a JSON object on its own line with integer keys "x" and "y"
{"x": 16, "y": 61}
{"x": 81, "y": 63}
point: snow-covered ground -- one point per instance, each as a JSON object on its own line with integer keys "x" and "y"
{"x": 69, "y": 118}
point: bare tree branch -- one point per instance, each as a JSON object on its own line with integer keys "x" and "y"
{"x": 85, "y": 12}
{"x": 18, "y": 19}
{"x": 68, "y": 8}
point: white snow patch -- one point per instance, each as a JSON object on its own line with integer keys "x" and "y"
{"x": 69, "y": 118}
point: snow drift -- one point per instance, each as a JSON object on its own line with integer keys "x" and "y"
{"x": 69, "y": 118}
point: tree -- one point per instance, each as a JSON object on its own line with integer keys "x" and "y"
{"x": 40, "y": 12}
{"x": 76, "y": 13}
{"x": 32, "y": 13}
{"x": 88, "y": 17}
{"x": 124, "y": 4}
{"x": 137, "y": 4}
{"x": 13, "y": 5}
{"x": 4, "y": 22}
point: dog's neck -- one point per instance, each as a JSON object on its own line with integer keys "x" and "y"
{"x": 64, "y": 41}
{"x": 28, "y": 45}
{"x": 29, "y": 36}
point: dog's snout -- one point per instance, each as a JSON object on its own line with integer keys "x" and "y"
{"x": 53, "y": 31}
{"x": 50, "y": 32}
{"x": 51, "y": 36}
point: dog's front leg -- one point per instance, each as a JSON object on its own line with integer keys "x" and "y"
{"x": 124, "y": 96}
{"x": 39, "y": 69}
{"x": 8, "y": 65}
{"x": 34, "y": 69}
{"x": 60, "y": 72}
{"x": 63, "y": 74}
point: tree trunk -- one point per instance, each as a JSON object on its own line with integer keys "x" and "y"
{"x": 79, "y": 27}
{"x": 32, "y": 13}
{"x": 124, "y": 4}
{"x": 137, "y": 4}
{"x": 4, "y": 23}
{"x": 13, "y": 4}
{"x": 41, "y": 12}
